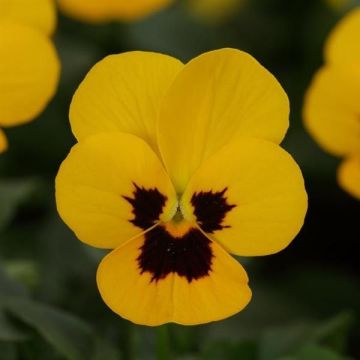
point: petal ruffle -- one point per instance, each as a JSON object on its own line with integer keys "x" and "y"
{"x": 349, "y": 176}
{"x": 38, "y": 14}
{"x": 343, "y": 45}
{"x": 136, "y": 296}
{"x": 249, "y": 196}
{"x": 218, "y": 96}
{"x": 26, "y": 87}
{"x": 332, "y": 110}
{"x": 3, "y": 142}
{"x": 123, "y": 93}
{"x": 112, "y": 187}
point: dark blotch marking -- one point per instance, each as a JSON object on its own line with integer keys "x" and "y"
{"x": 147, "y": 206}
{"x": 189, "y": 256}
{"x": 210, "y": 209}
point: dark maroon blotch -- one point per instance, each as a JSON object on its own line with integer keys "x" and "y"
{"x": 147, "y": 206}
{"x": 189, "y": 256}
{"x": 210, "y": 209}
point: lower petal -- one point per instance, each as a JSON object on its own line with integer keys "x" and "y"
{"x": 349, "y": 176}
{"x": 132, "y": 287}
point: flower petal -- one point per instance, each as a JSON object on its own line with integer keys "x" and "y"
{"x": 349, "y": 176}
{"x": 39, "y": 14}
{"x": 26, "y": 87}
{"x": 221, "y": 95}
{"x": 107, "y": 10}
{"x": 112, "y": 187}
{"x": 249, "y": 196}
{"x": 3, "y": 142}
{"x": 136, "y": 296}
{"x": 343, "y": 45}
{"x": 332, "y": 110}
{"x": 123, "y": 93}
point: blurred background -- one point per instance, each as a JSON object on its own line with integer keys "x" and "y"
{"x": 306, "y": 302}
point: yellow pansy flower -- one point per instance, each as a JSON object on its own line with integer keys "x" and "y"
{"x": 214, "y": 10}
{"x": 332, "y": 107}
{"x": 176, "y": 167}
{"x": 29, "y": 66}
{"x": 110, "y": 10}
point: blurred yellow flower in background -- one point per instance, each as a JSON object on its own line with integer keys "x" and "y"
{"x": 177, "y": 166}
{"x": 332, "y": 103}
{"x": 214, "y": 11}
{"x": 110, "y": 10}
{"x": 29, "y": 65}
{"x": 338, "y": 4}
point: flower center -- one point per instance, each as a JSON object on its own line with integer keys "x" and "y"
{"x": 177, "y": 246}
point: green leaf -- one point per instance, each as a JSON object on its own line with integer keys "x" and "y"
{"x": 245, "y": 350}
{"x": 7, "y": 351}
{"x": 70, "y": 336}
{"x": 316, "y": 352}
{"x": 9, "y": 331}
{"x": 278, "y": 342}
{"x": 9, "y": 286}
{"x": 12, "y": 194}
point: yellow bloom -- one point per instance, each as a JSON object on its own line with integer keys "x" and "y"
{"x": 214, "y": 10}
{"x": 29, "y": 66}
{"x": 332, "y": 107}
{"x": 176, "y": 166}
{"x": 109, "y": 10}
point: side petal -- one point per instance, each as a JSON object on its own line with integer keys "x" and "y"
{"x": 249, "y": 196}
{"x": 3, "y": 142}
{"x": 343, "y": 45}
{"x": 332, "y": 110}
{"x": 26, "y": 87}
{"x": 220, "y": 95}
{"x": 38, "y": 14}
{"x": 123, "y": 93}
{"x": 112, "y": 187}
{"x": 349, "y": 176}
{"x": 135, "y": 295}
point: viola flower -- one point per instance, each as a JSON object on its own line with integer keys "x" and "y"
{"x": 332, "y": 107}
{"x": 177, "y": 166}
{"x": 214, "y": 11}
{"x": 26, "y": 86}
{"x": 98, "y": 11}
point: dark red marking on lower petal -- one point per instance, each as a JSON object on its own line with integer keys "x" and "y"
{"x": 189, "y": 256}
{"x": 147, "y": 206}
{"x": 210, "y": 209}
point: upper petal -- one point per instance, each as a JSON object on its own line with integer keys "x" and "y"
{"x": 112, "y": 187}
{"x": 29, "y": 73}
{"x": 39, "y": 14}
{"x": 332, "y": 109}
{"x": 343, "y": 45}
{"x": 123, "y": 93}
{"x": 349, "y": 175}
{"x": 249, "y": 196}
{"x": 3, "y": 142}
{"x": 138, "y": 294}
{"x": 218, "y": 96}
